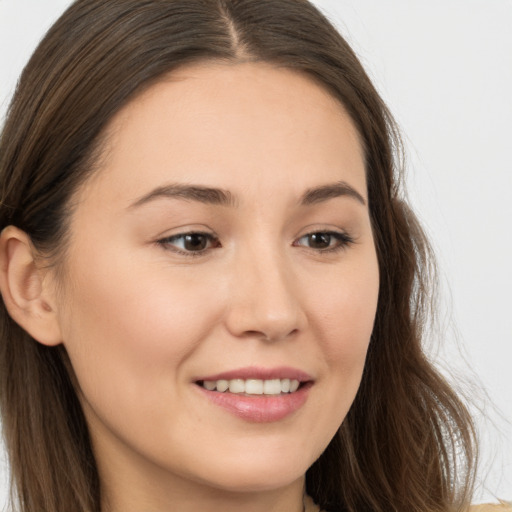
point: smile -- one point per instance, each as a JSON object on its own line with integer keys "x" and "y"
{"x": 252, "y": 386}
{"x": 257, "y": 395}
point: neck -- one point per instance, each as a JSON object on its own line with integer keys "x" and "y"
{"x": 258, "y": 502}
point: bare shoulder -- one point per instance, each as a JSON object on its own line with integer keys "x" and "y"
{"x": 503, "y": 506}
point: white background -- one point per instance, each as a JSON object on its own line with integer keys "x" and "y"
{"x": 445, "y": 69}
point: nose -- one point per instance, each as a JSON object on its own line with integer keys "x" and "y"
{"x": 265, "y": 302}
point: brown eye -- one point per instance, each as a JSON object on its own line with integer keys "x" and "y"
{"x": 195, "y": 242}
{"x": 319, "y": 240}
{"x": 324, "y": 241}
{"x": 190, "y": 242}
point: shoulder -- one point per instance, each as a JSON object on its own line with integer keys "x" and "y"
{"x": 503, "y": 506}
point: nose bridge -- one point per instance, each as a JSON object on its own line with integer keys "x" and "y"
{"x": 264, "y": 299}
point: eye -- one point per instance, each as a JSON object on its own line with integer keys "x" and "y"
{"x": 324, "y": 241}
{"x": 190, "y": 243}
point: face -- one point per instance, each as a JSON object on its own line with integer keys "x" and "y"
{"x": 224, "y": 242}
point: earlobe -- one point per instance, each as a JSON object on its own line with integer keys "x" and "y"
{"x": 25, "y": 293}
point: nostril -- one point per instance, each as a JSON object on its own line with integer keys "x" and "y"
{"x": 270, "y": 335}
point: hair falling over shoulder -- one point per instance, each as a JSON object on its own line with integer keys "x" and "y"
{"x": 408, "y": 442}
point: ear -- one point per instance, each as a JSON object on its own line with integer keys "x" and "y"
{"x": 26, "y": 294}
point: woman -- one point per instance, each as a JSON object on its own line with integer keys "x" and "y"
{"x": 213, "y": 292}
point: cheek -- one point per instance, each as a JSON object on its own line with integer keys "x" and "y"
{"x": 125, "y": 328}
{"x": 343, "y": 324}
{"x": 348, "y": 314}
{"x": 345, "y": 321}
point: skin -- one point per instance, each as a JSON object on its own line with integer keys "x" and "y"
{"x": 141, "y": 318}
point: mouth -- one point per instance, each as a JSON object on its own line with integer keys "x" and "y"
{"x": 258, "y": 395}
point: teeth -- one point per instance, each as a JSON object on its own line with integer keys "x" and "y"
{"x": 253, "y": 386}
{"x": 237, "y": 386}
{"x": 210, "y": 385}
{"x": 272, "y": 387}
{"x": 294, "y": 385}
{"x": 221, "y": 385}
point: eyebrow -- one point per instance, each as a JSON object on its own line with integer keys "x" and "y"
{"x": 207, "y": 195}
{"x": 325, "y": 192}
{"x": 221, "y": 197}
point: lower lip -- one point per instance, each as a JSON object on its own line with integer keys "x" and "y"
{"x": 259, "y": 408}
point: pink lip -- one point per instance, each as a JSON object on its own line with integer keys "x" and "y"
{"x": 260, "y": 408}
{"x": 253, "y": 372}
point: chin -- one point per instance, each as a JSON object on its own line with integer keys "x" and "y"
{"x": 255, "y": 475}
{"x": 256, "y": 480}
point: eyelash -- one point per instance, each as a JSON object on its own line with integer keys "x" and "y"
{"x": 343, "y": 240}
{"x": 168, "y": 243}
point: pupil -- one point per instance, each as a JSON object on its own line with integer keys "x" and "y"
{"x": 195, "y": 242}
{"x": 320, "y": 240}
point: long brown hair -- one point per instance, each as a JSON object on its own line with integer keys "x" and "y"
{"x": 407, "y": 443}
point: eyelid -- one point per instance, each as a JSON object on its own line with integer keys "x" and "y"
{"x": 344, "y": 240}
{"x": 166, "y": 242}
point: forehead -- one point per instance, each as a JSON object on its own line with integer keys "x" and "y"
{"x": 239, "y": 126}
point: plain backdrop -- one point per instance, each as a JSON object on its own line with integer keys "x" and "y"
{"x": 444, "y": 67}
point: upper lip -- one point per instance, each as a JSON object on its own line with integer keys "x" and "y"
{"x": 259, "y": 373}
